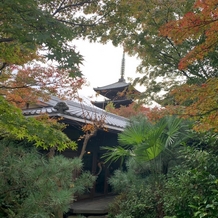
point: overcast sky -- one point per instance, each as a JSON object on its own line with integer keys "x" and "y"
{"x": 102, "y": 65}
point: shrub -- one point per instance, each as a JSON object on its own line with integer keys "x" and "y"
{"x": 33, "y": 186}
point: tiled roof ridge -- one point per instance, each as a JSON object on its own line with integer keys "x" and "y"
{"x": 92, "y": 108}
{"x": 78, "y": 111}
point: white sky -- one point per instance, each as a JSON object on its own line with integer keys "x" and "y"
{"x": 102, "y": 65}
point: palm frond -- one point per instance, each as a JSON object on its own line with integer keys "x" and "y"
{"x": 134, "y": 133}
{"x": 114, "y": 154}
{"x": 175, "y": 131}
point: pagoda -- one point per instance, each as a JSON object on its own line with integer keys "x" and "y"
{"x": 118, "y": 93}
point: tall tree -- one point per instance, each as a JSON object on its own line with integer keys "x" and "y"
{"x": 136, "y": 26}
{"x": 197, "y": 101}
{"x": 36, "y": 31}
{"x": 155, "y": 144}
{"x": 200, "y": 23}
{"x": 40, "y": 31}
{"x": 27, "y": 26}
{"x": 23, "y": 86}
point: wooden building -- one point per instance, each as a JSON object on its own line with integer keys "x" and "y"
{"x": 76, "y": 114}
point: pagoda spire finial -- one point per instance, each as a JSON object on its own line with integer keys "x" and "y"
{"x": 122, "y": 68}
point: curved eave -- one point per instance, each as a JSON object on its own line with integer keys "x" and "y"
{"x": 113, "y": 93}
{"x": 117, "y": 85}
{"x": 80, "y": 113}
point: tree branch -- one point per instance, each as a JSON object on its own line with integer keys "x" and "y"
{"x": 6, "y": 40}
{"x": 199, "y": 114}
{"x": 16, "y": 87}
{"x": 3, "y": 66}
{"x": 69, "y": 6}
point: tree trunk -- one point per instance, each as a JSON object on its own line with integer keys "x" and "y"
{"x": 51, "y": 152}
{"x": 85, "y": 142}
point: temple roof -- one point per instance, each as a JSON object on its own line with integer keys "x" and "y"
{"x": 118, "y": 93}
{"x": 112, "y": 91}
{"x": 117, "y": 85}
{"x": 77, "y": 112}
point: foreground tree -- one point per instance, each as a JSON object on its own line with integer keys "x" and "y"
{"x": 32, "y": 32}
{"x": 35, "y": 34}
{"x": 46, "y": 25}
{"x": 148, "y": 141}
{"x": 34, "y": 186}
{"x": 197, "y": 101}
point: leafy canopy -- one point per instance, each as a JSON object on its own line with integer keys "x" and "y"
{"x": 25, "y": 85}
{"x": 14, "y": 125}
{"x": 136, "y": 26}
{"x": 29, "y": 25}
{"x": 200, "y": 23}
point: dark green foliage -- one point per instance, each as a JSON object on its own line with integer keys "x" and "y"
{"x": 133, "y": 205}
{"x": 192, "y": 188}
{"x": 188, "y": 188}
{"x": 13, "y": 125}
{"x": 34, "y": 186}
{"x": 28, "y": 25}
{"x": 137, "y": 198}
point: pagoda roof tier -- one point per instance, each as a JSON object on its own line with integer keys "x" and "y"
{"x": 111, "y": 91}
{"x": 116, "y": 103}
{"x": 117, "y": 85}
{"x": 117, "y": 90}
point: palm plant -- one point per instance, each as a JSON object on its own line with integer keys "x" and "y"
{"x": 149, "y": 142}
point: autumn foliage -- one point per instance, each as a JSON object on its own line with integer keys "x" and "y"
{"x": 134, "y": 109}
{"x": 127, "y": 111}
{"x": 22, "y": 85}
{"x": 37, "y": 61}
{"x": 198, "y": 102}
{"x": 200, "y": 24}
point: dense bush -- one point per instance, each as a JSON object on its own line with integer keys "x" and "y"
{"x": 189, "y": 189}
{"x": 33, "y": 186}
{"x": 133, "y": 185}
{"x": 192, "y": 188}
{"x": 133, "y": 204}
